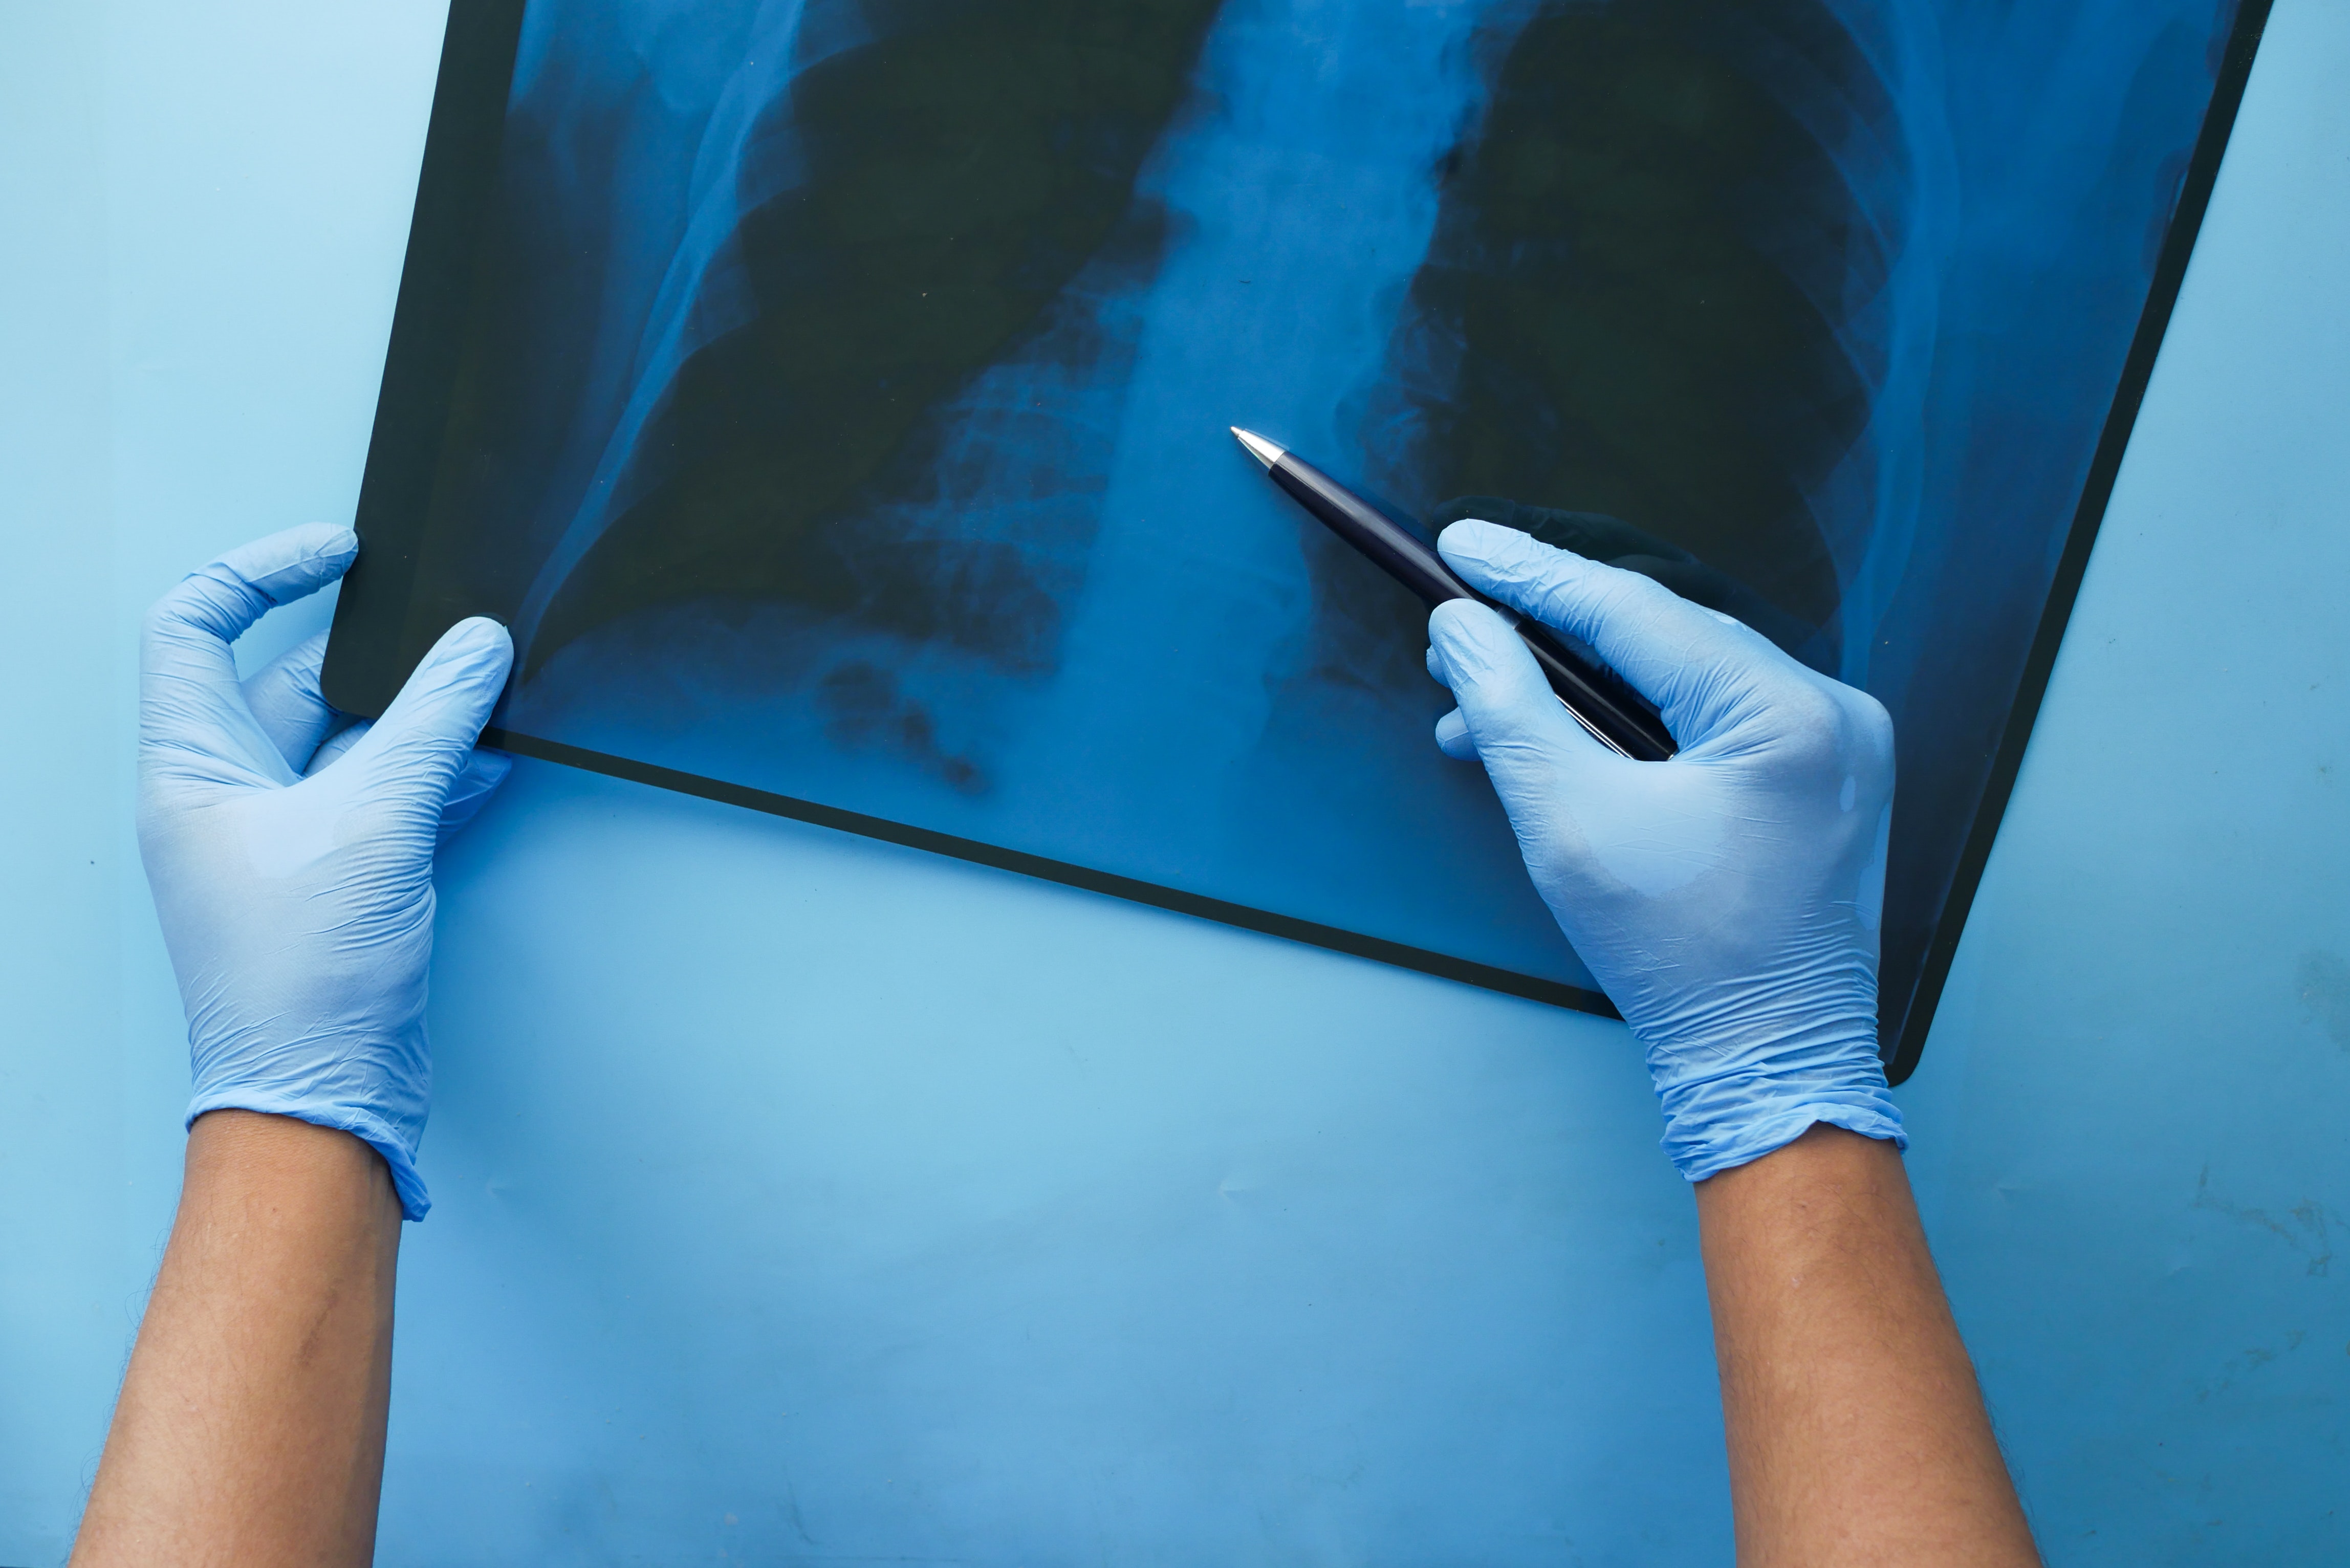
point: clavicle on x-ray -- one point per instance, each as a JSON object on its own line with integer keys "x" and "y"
{"x": 839, "y": 405}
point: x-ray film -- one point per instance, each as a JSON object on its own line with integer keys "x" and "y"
{"x": 832, "y": 396}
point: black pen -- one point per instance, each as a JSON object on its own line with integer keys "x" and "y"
{"x": 1594, "y": 694}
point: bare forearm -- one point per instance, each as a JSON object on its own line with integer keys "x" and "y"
{"x": 250, "y": 1428}
{"x": 1857, "y": 1434}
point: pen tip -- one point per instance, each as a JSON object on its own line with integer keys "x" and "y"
{"x": 1263, "y": 451}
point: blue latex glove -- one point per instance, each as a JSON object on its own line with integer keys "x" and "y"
{"x": 1728, "y": 899}
{"x": 291, "y": 862}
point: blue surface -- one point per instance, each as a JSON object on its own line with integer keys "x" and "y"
{"x": 943, "y": 1215}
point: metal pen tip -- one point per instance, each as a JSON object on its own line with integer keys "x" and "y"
{"x": 1263, "y": 451}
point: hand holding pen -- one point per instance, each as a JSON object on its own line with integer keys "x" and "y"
{"x": 1594, "y": 694}
{"x": 1725, "y": 891}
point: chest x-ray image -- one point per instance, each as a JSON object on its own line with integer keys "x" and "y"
{"x": 833, "y": 395}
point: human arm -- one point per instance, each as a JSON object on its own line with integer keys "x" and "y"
{"x": 250, "y": 1428}
{"x": 1728, "y": 902}
{"x": 1857, "y": 1432}
{"x": 290, "y": 854}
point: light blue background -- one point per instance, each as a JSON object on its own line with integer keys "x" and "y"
{"x": 805, "y": 1200}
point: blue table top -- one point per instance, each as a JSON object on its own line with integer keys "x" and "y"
{"x": 803, "y": 1199}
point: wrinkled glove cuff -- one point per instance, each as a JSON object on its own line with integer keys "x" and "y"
{"x": 364, "y": 1124}
{"x": 1715, "y": 1124}
{"x": 1710, "y": 1155}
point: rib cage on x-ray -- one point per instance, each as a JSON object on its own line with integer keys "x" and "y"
{"x": 739, "y": 308}
{"x": 842, "y": 409}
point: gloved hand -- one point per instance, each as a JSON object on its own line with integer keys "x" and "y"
{"x": 1727, "y": 900}
{"x": 292, "y": 867}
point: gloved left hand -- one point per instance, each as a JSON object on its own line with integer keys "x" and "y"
{"x": 292, "y": 865}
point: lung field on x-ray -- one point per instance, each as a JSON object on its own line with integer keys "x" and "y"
{"x": 960, "y": 196}
{"x": 1637, "y": 298}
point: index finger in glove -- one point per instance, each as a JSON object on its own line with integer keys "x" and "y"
{"x": 1686, "y": 659}
{"x": 285, "y": 701}
{"x": 188, "y": 687}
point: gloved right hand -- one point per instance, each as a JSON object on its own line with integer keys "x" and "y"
{"x": 1727, "y": 900}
